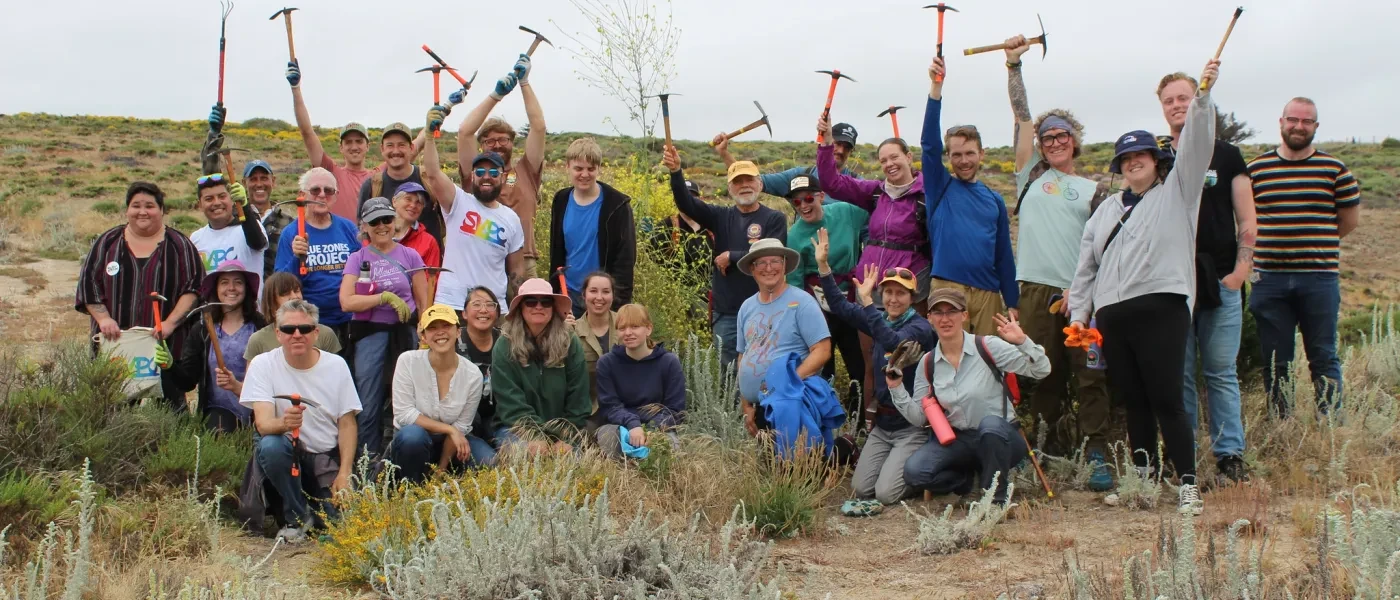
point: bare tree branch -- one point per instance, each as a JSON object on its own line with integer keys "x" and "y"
{"x": 629, "y": 55}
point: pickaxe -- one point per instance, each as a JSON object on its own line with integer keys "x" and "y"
{"x": 286, "y": 14}
{"x": 432, "y": 277}
{"x": 437, "y": 87}
{"x": 228, "y": 166}
{"x": 466, "y": 84}
{"x": 1040, "y": 39}
{"x": 156, "y": 299}
{"x": 666, "y": 112}
{"x": 297, "y": 448}
{"x": 1205, "y": 83}
{"x": 301, "y": 203}
{"x": 209, "y": 326}
{"x": 754, "y": 125}
{"x": 535, "y": 44}
{"x": 836, "y": 75}
{"x": 893, "y": 119}
{"x": 563, "y": 286}
{"x": 942, "y": 8}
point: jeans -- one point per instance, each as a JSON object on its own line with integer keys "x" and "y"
{"x": 990, "y": 450}
{"x": 1215, "y": 334}
{"x": 880, "y": 471}
{"x": 370, "y": 353}
{"x": 1308, "y": 302}
{"x": 274, "y": 455}
{"x": 727, "y": 328}
{"x": 414, "y": 448}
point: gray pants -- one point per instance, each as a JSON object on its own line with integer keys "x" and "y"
{"x": 880, "y": 472}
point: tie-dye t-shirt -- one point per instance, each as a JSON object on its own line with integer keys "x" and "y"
{"x": 478, "y": 240}
{"x": 791, "y": 322}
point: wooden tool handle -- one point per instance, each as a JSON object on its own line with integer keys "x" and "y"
{"x": 214, "y": 340}
{"x": 981, "y": 49}
{"x": 667, "y": 121}
{"x": 228, "y": 166}
{"x": 291, "y": 46}
{"x": 533, "y": 45}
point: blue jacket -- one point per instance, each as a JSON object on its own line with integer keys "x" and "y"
{"x": 798, "y": 408}
{"x": 968, "y": 227}
{"x": 886, "y": 335}
{"x": 632, "y": 392}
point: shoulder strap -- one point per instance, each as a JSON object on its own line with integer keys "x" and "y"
{"x": 376, "y": 183}
{"x": 1036, "y": 171}
{"x": 391, "y": 260}
{"x": 928, "y": 368}
{"x": 986, "y": 355}
{"x": 1117, "y": 228}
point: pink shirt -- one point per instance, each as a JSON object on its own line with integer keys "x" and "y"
{"x": 347, "y": 186}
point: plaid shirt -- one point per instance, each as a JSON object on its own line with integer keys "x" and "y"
{"x": 112, "y": 277}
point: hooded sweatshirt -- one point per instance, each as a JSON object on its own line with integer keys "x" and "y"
{"x": 626, "y": 385}
{"x": 1155, "y": 251}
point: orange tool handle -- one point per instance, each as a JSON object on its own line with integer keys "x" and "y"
{"x": 155, "y": 313}
{"x": 444, "y": 65}
{"x": 826, "y": 112}
{"x": 939, "y": 78}
{"x": 437, "y": 95}
{"x": 563, "y": 286}
{"x": 895, "y": 121}
{"x": 301, "y": 225}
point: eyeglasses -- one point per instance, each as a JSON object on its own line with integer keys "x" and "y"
{"x": 484, "y": 172}
{"x": 538, "y": 302}
{"x": 216, "y": 178}
{"x": 900, "y": 272}
{"x": 764, "y": 263}
{"x": 808, "y": 199}
{"x": 381, "y": 221}
{"x": 322, "y": 191}
{"x": 945, "y": 314}
{"x": 1062, "y": 137}
{"x": 1296, "y": 121}
{"x": 479, "y": 305}
{"x": 295, "y": 329}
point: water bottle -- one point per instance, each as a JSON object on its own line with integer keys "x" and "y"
{"x": 938, "y": 421}
{"x": 365, "y": 285}
{"x": 1095, "y": 358}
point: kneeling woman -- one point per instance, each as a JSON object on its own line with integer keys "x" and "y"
{"x": 988, "y": 442}
{"x": 538, "y": 376}
{"x": 638, "y": 384}
{"x": 234, "y": 325}
{"x": 436, "y": 394}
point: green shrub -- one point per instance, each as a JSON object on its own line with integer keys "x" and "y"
{"x": 273, "y": 125}
{"x": 106, "y": 208}
{"x": 1390, "y": 142}
{"x": 782, "y": 498}
{"x": 220, "y": 460}
{"x": 43, "y": 571}
{"x": 186, "y": 224}
{"x": 28, "y": 501}
{"x": 943, "y": 535}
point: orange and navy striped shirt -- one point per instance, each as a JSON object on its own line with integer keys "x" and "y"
{"x": 1296, "y": 202}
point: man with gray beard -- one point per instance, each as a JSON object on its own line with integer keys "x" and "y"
{"x": 735, "y": 229}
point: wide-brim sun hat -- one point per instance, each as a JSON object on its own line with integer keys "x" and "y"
{"x": 540, "y": 287}
{"x": 768, "y": 247}
{"x": 210, "y": 283}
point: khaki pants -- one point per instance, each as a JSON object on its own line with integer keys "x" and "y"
{"x": 1050, "y": 399}
{"x": 981, "y": 306}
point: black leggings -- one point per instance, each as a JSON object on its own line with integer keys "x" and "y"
{"x": 846, "y": 338}
{"x": 1144, "y": 343}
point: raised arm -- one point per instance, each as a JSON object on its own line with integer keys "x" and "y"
{"x": 1024, "y": 142}
{"x": 1197, "y": 145}
{"x": 441, "y": 185}
{"x": 704, "y": 214}
{"x": 314, "y": 151}
{"x": 1026, "y": 358}
{"x": 936, "y": 177}
{"x": 836, "y": 184}
{"x": 534, "y": 142}
{"x": 467, "y": 147}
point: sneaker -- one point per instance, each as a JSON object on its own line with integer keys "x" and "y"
{"x": 1190, "y": 500}
{"x": 1232, "y": 467}
{"x": 1099, "y": 478}
{"x": 292, "y": 535}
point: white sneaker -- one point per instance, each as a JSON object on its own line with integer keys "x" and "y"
{"x": 292, "y": 535}
{"x": 1190, "y": 500}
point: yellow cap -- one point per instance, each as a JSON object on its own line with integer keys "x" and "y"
{"x": 742, "y": 167}
{"x": 437, "y": 312}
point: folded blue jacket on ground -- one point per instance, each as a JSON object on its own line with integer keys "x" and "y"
{"x": 799, "y": 410}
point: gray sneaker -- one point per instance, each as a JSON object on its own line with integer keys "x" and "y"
{"x": 1190, "y": 500}
{"x": 292, "y": 535}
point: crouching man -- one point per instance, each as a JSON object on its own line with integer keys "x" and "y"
{"x": 302, "y": 450}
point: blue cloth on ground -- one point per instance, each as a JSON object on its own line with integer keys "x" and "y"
{"x": 630, "y": 451}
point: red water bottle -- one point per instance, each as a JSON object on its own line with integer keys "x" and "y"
{"x": 938, "y": 421}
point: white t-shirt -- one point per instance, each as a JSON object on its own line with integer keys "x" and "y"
{"x": 478, "y": 239}
{"x": 217, "y": 246}
{"x": 328, "y": 383}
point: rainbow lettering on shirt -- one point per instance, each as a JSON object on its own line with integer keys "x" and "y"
{"x": 793, "y": 304}
{"x": 216, "y": 257}
{"x": 486, "y": 229}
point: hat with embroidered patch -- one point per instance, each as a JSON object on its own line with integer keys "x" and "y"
{"x": 1134, "y": 141}
{"x": 437, "y": 312}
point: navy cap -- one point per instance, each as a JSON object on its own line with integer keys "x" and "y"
{"x": 254, "y": 165}
{"x": 1134, "y": 141}
{"x": 844, "y": 132}
{"x": 692, "y": 188}
{"x": 494, "y": 157}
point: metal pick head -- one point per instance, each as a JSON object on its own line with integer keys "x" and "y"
{"x": 299, "y": 202}
{"x": 765, "y": 118}
{"x": 470, "y": 80}
{"x": 155, "y": 296}
{"x": 1044, "y": 37}
{"x": 226, "y": 150}
{"x": 664, "y": 96}
{"x": 837, "y": 73}
{"x": 298, "y": 399}
{"x": 891, "y": 110}
{"x": 280, "y": 12}
{"x": 207, "y": 306}
{"x": 942, "y": 7}
{"x": 537, "y": 35}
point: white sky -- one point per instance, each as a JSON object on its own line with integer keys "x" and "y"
{"x": 158, "y": 58}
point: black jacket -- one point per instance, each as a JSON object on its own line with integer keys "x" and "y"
{"x": 191, "y": 367}
{"x": 734, "y": 232}
{"x": 617, "y": 240}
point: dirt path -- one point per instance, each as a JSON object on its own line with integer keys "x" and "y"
{"x": 36, "y": 302}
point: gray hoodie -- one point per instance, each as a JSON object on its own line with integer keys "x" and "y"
{"x": 1155, "y": 252}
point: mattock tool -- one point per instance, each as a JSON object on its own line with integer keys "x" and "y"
{"x": 836, "y": 75}
{"x": 297, "y": 449}
{"x": 437, "y": 87}
{"x": 301, "y": 203}
{"x": 942, "y": 8}
{"x": 893, "y": 119}
{"x": 666, "y": 112}
{"x": 563, "y": 286}
{"x": 466, "y": 83}
{"x": 286, "y": 14}
{"x": 754, "y": 125}
{"x": 228, "y": 166}
{"x": 432, "y": 273}
{"x": 535, "y": 44}
{"x": 209, "y": 326}
{"x": 1040, "y": 39}
{"x": 1205, "y": 83}
{"x": 227, "y": 7}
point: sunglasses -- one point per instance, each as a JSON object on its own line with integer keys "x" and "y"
{"x": 957, "y": 129}
{"x": 1060, "y": 138}
{"x": 480, "y": 172}
{"x": 381, "y": 221}
{"x": 808, "y": 199}
{"x": 295, "y": 329}
{"x": 322, "y": 191}
{"x": 215, "y": 178}
{"x": 538, "y": 302}
{"x": 900, "y": 272}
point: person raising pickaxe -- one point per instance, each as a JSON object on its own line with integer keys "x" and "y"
{"x": 894, "y": 121}
{"x": 301, "y": 202}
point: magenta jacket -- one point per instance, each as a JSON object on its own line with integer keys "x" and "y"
{"x": 898, "y": 235}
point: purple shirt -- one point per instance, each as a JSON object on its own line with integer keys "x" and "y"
{"x": 388, "y": 273}
{"x": 894, "y": 220}
{"x": 233, "y": 346}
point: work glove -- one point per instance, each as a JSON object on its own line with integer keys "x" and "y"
{"x": 216, "y": 118}
{"x": 504, "y": 86}
{"x": 522, "y": 68}
{"x": 162, "y": 357}
{"x": 436, "y": 115}
{"x": 238, "y": 194}
{"x": 457, "y": 97}
{"x": 906, "y": 353}
{"x": 395, "y": 301}
{"x": 293, "y": 73}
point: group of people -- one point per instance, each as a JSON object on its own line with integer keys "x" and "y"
{"x": 397, "y": 295}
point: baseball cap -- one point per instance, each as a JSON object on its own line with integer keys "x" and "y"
{"x": 803, "y": 183}
{"x": 902, "y": 276}
{"x": 376, "y": 208}
{"x": 254, "y": 165}
{"x": 743, "y": 167}
{"x": 410, "y": 187}
{"x": 437, "y": 312}
{"x": 493, "y": 157}
{"x": 1133, "y": 141}
{"x": 396, "y": 128}
{"x": 844, "y": 132}
{"x": 692, "y": 188}
{"x": 354, "y": 128}
{"x": 947, "y": 296}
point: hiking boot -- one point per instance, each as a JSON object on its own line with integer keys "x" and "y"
{"x": 292, "y": 535}
{"x": 1099, "y": 478}
{"x": 1189, "y": 500}
{"x": 1232, "y": 467}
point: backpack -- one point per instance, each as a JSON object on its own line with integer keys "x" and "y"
{"x": 1010, "y": 386}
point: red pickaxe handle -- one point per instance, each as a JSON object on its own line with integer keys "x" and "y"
{"x": 563, "y": 285}
{"x": 221, "y": 72}
{"x": 444, "y": 65}
{"x": 301, "y": 227}
{"x": 939, "y": 78}
{"x": 155, "y": 313}
{"x": 830, "y": 95}
{"x": 437, "y": 95}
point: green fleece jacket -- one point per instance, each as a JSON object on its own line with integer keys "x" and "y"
{"x": 539, "y": 398}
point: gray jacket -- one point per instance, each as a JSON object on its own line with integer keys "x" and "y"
{"x": 1155, "y": 252}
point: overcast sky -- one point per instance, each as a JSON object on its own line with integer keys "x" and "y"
{"x": 159, "y": 58}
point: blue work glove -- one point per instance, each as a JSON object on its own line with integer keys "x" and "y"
{"x": 216, "y": 118}
{"x": 630, "y": 451}
{"x": 293, "y": 73}
{"x": 436, "y": 115}
{"x": 504, "y": 86}
{"x": 522, "y": 68}
{"x": 457, "y": 97}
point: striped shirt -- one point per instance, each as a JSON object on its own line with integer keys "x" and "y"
{"x": 1297, "y": 202}
{"x": 113, "y": 277}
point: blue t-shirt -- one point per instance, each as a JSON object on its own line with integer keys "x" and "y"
{"x": 330, "y": 249}
{"x": 792, "y": 322}
{"x": 581, "y": 241}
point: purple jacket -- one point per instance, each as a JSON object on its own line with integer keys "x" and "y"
{"x": 893, "y": 221}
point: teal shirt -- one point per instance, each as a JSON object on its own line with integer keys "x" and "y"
{"x": 1052, "y": 220}
{"x": 843, "y": 222}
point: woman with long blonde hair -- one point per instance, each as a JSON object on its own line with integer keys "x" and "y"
{"x": 539, "y": 377}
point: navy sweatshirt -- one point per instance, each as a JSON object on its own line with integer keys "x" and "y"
{"x": 625, "y": 386}
{"x": 734, "y": 232}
